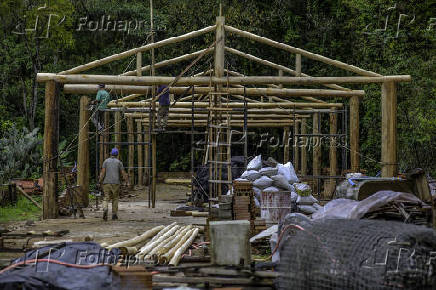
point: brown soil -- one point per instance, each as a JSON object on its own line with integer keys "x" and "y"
{"x": 135, "y": 217}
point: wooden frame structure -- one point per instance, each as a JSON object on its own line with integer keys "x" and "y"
{"x": 219, "y": 99}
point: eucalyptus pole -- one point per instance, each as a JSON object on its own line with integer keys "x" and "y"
{"x": 83, "y": 151}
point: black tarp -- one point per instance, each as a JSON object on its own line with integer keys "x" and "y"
{"x": 44, "y": 275}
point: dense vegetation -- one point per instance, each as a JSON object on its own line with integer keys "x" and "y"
{"x": 369, "y": 34}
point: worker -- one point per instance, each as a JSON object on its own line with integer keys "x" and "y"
{"x": 110, "y": 174}
{"x": 100, "y": 103}
{"x": 164, "y": 107}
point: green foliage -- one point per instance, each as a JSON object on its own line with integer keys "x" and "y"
{"x": 352, "y": 31}
{"x": 183, "y": 163}
{"x": 19, "y": 154}
{"x": 23, "y": 210}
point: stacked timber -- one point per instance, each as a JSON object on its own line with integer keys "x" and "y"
{"x": 165, "y": 245}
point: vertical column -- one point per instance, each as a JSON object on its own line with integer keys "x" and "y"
{"x": 295, "y": 147}
{"x": 131, "y": 140}
{"x": 153, "y": 136}
{"x": 140, "y": 157}
{"x": 298, "y": 65}
{"x": 50, "y": 150}
{"x": 389, "y": 130}
{"x": 100, "y": 149}
{"x": 303, "y": 147}
{"x": 83, "y": 151}
{"x": 117, "y": 129}
{"x": 106, "y": 134}
{"x": 333, "y": 160}
{"x": 219, "y": 47}
{"x": 219, "y": 72}
{"x": 285, "y": 144}
{"x": 316, "y": 162}
{"x": 354, "y": 133}
{"x": 146, "y": 155}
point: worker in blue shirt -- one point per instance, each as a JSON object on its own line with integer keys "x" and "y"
{"x": 100, "y": 103}
{"x": 164, "y": 107}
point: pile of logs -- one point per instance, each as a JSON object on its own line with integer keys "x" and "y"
{"x": 167, "y": 244}
{"x": 405, "y": 211}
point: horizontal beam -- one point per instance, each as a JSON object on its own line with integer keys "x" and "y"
{"x": 204, "y": 110}
{"x": 234, "y": 116}
{"x": 124, "y": 89}
{"x": 255, "y": 80}
{"x": 187, "y": 123}
{"x": 234, "y": 105}
{"x": 303, "y": 52}
{"x": 134, "y": 51}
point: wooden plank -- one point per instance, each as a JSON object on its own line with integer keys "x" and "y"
{"x": 20, "y": 190}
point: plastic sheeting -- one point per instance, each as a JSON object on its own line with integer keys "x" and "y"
{"x": 44, "y": 275}
{"x": 351, "y": 209}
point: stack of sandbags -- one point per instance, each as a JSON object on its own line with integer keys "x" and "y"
{"x": 270, "y": 176}
{"x": 306, "y": 203}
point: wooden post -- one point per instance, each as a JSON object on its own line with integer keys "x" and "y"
{"x": 51, "y": 143}
{"x": 298, "y": 65}
{"x": 139, "y": 126}
{"x": 146, "y": 155}
{"x": 219, "y": 47}
{"x": 153, "y": 136}
{"x": 131, "y": 139}
{"x": 389, "y": 130}
{"x": 106, "y": 135}
{"x": 117, "y": 130}
{"x": 303, "y": 147}
{"x": 354, "y": 134}
{"x": 316, "y": 162}
{"x": 101, "y": 149}
{"x": 333, "y": 152}
{"x": 295, "y": 148}
{"x": 140, "y": 157}
{"x": 285, "y": 144}
{"x": 83, "y": 151}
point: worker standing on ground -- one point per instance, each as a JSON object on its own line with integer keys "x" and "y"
{"x": 110, "y": 174}
{"x": 164, "y": 107}
{"x": 100, "y": 103}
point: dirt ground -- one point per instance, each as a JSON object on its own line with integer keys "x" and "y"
{"x": 134, "y": 218}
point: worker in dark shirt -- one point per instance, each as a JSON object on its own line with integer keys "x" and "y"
{"x": 164, "y": 107}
